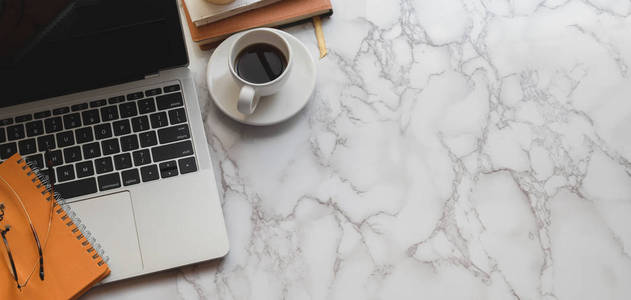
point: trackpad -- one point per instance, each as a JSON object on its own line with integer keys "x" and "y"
{"x": 111, "y": 220}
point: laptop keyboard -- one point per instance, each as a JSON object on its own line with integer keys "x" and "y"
{"x": 106, "y": 144}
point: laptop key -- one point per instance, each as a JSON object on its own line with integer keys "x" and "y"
{"x": 77, "y": 188}
{"x": 34, "y": 128}
{"x": 65, "y": 173}
{"x": 117, "y": 99}
{"x": 149, "y": 173}
{"x": 72, "y": 120}
{"x": 37, "y": 160}
{"x": 15, "y": 132}
{"x": 140, "y": 123}
{"x": 80, "y": 106}
{"x": 7, "y": 150}
{"x": 129, "y": 143}
{"x": 173, "y": 133}
{"x": 177, "y": 116}
{"x": 130, "y": 177}
{"x": 169, "y": 101}
{"x": 172, "y": 151}
{"x": 148, "y": 139}
{"x": 135, "y": 96}
{"x": 110, "y": 146}
{"x": 122, "y": 161}
{"x": 187, "y": 165}
{"x": 103, "y": 131}
{"x": 46, "y": 142}
{"x": 168, "y": 169}
{"x": 146, "y": 106}
{"x": 61, "y": 111}
{"x": 84, "y": 169}
{"x": 3, "y": 136}
{"x": 23, "y": 118}
{"x": 103, "y": 165}
{"x": 128, "y": 110}
{"x": 109, "y": 182}
{"x": 53, "y": 124}
{"x": 84, "y": 135}
{"x": 122, "y": 127}
{"x": 90, "y": 117}
{"x": 153, "y": 92}
{"x": 171, "y": 88}
{"x": 54, "y": 157}
{"x": 159, "y": 120}
{"x": 98, "y": 103}
{"x": 109, "y": 113}
{"x": 65, "y": 139}
{"x": 141, "y": 157}
{"x": 5, "y": 122}
{"x": 72, "y": 154}
{"x": 27, "y": 146}
{"x": 42, "y": 114}
{"x": 91, "y": 150}
{"x": 45, "y": 172}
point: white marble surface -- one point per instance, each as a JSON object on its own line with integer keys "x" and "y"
{"x": 452, "y": 150}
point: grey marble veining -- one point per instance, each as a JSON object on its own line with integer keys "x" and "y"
{"x": 451, "y": 150}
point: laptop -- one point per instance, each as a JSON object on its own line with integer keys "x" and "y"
{"x": 101, "y": 90}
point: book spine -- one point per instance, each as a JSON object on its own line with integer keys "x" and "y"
{"x": 65, "y": 212}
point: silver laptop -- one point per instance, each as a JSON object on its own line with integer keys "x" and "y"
{"x": 100, "y": 91}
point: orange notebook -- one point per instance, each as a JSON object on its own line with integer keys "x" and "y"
{"x": 273, "y": 15}
{"x": 71, "y": 264}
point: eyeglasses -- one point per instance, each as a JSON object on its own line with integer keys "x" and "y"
{"x": 18, "y": 211}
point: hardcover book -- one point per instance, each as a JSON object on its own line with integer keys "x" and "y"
{"x": 203, "y": 12}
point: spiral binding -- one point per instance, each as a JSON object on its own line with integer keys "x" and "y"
{"x": 66, "y": 213}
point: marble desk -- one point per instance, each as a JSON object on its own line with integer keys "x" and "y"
{"x": 452, "y": 150}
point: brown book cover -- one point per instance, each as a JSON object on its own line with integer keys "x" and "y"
{"x": 277, "y": 14}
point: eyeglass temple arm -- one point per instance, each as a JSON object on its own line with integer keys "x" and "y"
{"x": 41, "y": 255}
{"x": 6, "y": 245}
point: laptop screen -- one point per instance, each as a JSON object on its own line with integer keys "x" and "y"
{"x": 55, "y": 47}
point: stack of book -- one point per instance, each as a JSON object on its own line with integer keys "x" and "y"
{"x": 210, "y": 23}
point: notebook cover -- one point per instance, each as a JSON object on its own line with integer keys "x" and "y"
{"x": 280, "y": 13}
{"x": 70, "y": 269}
{"x": 210, "y": 45}
{"x": 203, "y": 12}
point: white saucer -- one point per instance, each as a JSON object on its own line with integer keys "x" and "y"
{"x": 272, "y": 109}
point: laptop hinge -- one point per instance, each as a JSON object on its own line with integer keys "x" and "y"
{"x": 152, "y": 75}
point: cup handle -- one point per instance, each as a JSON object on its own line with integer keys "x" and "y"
{"x": 248, "y": 100}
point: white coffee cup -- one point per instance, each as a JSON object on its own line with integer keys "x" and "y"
{"x": 251, "y": 92}
{"x": 220, "y": 2}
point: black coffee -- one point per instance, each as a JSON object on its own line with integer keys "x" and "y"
{"x": 260, "y": 63}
